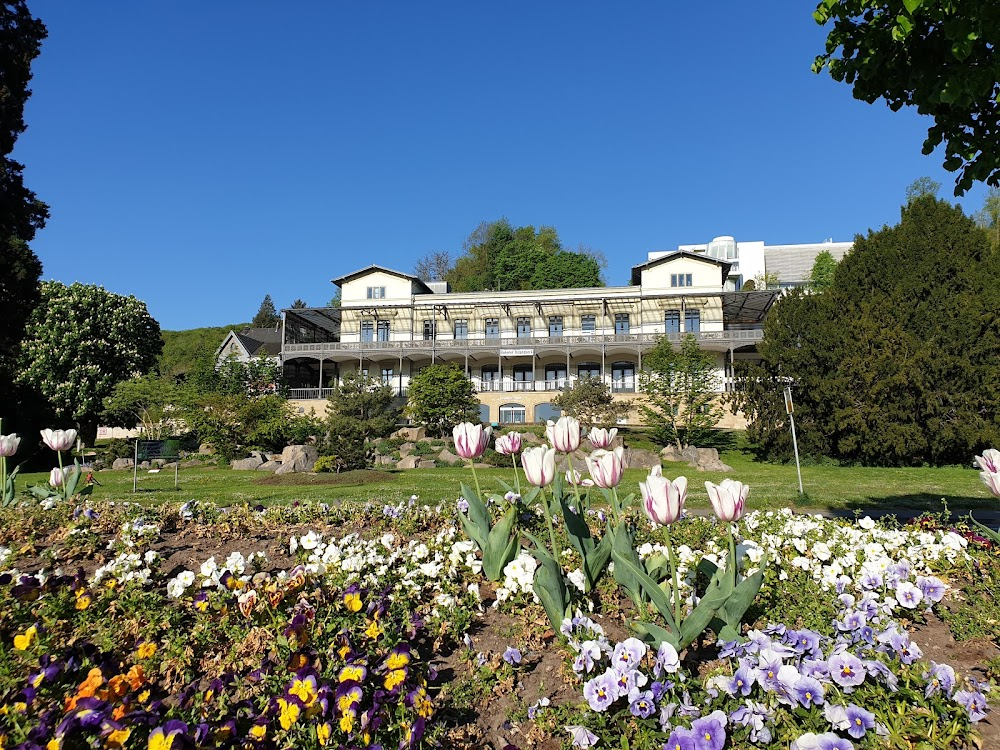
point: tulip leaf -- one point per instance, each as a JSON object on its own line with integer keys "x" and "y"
{"x": 540, "y": 551}
{"x": 656, "y": 595}
{"x": 478, "y": 513}
{"x": 596, "y": 561}
{"x": 623, "y": 546}
{"x": 701, "y": 616}
{"x": 654, "y": 634}
{"x": 501, "y": 545}
{"x": 986, "y": 531}
{"x": 550, "y": 587}
{"x": 577, "y": 529}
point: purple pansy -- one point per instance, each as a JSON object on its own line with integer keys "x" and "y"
{"x": 846, "y": 670}
{"x": 859, "y": 721}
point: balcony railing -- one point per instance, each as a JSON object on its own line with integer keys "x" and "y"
{"x": 741, "y": 337}
{"x": 323, "y": 393}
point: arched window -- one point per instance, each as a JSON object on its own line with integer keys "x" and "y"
{"x": 545, "y": 412}
{"x": 588, "y": 370}
{"x": 512, "y": 414}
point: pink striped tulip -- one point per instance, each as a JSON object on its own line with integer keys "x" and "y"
{"x": 662, "y": 499}
{"x": 471, "y": 439}
{"x": 57, "y": 477}
{"x": 539, "y": 465}
{"x": 8, "y": 445}
{"x": 989, "y": 461}
{"x": 509, "y": 444}
{"x": 601, "y": 438}
{"x": 59, "y": 440}
{"x": 606, "y": 467}
{"x": 728, "y": 499}
{"x": 563, "y": 435}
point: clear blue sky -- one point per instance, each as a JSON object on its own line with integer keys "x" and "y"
{"x": 200, "y": 155}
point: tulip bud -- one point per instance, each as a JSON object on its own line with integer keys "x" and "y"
{"x": 563, "y": 435}
{"x": 59, "y": 440}
{"x": 8, "y": 445}
{"x": 601, "y": 438}
{"x": 509, "y": 444}
{"x": 57, "y": 477}
{"x": 539, "y": 465}
{"x": 662, "y": 499}
{"x": 606, "y": 467}
{"x": 728, "y": 499}
{"x": 572, "y": 476}
{"x": 471, "y": 439}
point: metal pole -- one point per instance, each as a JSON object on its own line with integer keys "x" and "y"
{"x": 135, "y": 467}
{"x": 795, "y": 446}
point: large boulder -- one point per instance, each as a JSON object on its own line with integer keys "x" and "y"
{"x": 426, "y": 464}
{"x": 247, "y": 464}
{"x": 448, "y": 457}
{"x": 708, "y": 460}
{"x": 123, "y": 463}
{"x": 296, "y": 458}
{"x": 269, "y": 466}
{"x": 411, "y": 434}
{"x": 406, "y": 449}
{"x": 690, "y": 454}
{"x": 671, "y": 453}
{"x": 206, "y": 449}
{"x": 385, "y": 461}
{"x": 638, "y": 458}
{"x": 408, "y": 462}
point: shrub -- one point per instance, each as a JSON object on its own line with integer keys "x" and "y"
{"x": 326, "y": 464}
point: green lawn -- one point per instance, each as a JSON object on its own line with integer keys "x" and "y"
{"x": 828, "y": 487}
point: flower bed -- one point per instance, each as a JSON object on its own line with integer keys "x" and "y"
{"x": 369, "y": 625}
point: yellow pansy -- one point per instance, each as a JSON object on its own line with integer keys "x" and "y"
{"x": 117, "y": 738}
{"x": 288, "y": 713}
{"x": 397, "y": 660}
{"x": 374, "y": 630}
{"x": 82, "y": 601}
{"x": 146, "y": 650}
{"x": 23, "y": 641}
{"x": 347, "y": 723}
{"x": 394, "y": 678}
{"x": 258, "y": 731}
{"x": 304, "y": 690}
{"x": 352, "y": 601}
{"x": 323, "y": 733}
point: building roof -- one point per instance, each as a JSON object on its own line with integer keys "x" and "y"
{"x": 674, "y": 255}
{"x": 259, "y": 340}
{"x": 793, "y": 263}
{"x": 340, "y": 281}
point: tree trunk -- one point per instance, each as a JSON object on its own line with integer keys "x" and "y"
{"x": 87, "y": 432}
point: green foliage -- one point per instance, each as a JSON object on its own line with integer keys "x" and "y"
{"x": 326, "y": 464}
{"x": 821, "y": 276}
{"x": 259, "y": 376}
{"x": 679, "y": 385}
{"x": 80, "y": 342}
{"x": 21, "y": 213}
{"x": 936, "y": 55}
{"x": 360, "y": 411}
{"x": 501, "y": 257}
{"x": 440, "y": 397}
{"x": 182, "y": 350}
{"x": 590, "y": 401}
{"x": 267, "y": 315}
{"x": 922, "y": 187}
{"x": 147, "y": 401}
{"x": 888, "y": 368}
{"x": 236, "y": 422}
{"x": 497, "y": 538}
{"x": 988, "y": 217}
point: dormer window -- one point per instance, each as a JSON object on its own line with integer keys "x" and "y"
{"x": 376, "y": 292}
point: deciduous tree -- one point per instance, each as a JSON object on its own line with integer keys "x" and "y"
{"x": 680, "y": 387}
{"x": 148, "y": 401}
{"x": 939, "y": 56}
{"x": 590, "y": 401}
{"x": 440, "y": 397}
{"x": 434, "y": 266}
{"x": 79, "y": 343}
{"x": 821, "y": 276}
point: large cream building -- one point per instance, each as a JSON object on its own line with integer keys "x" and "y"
{"x": 520, "y": 348}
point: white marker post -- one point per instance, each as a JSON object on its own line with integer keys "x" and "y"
{"x": 790, "y": 409}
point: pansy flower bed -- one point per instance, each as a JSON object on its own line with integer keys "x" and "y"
{"x": 368, "y": 625}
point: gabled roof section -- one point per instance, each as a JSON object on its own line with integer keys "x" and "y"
{"x": 255, "y": 341}
{"x": 340, "y": 281}
{"x": 637, "y": 270}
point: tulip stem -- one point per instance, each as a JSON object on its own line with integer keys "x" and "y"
{"x": 475, "y": 478}
{"x": 548, "y": 520}
{"x": 576, "y": 486}
{"x": 614, "y": 505}
{"x": 673, "y": 574}
{"x": 517, "y": 481}
{"x": 3, "y": 473}
{"x": 732, "y": 553}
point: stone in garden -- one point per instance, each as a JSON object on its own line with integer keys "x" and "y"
{"x": 158, "y": 463}
{"x": 144, "y": 465}
{"x": 426, "y": 464}
{"x": 690, "y": 454}
{"x": 408, "y": 462}
{"x": 385, "y": 461}
{"x": 269, "y": 466}
{"x": 258, "y": 454}
{"x": 246, "y": 464}
{"x": 448, "y": 457}
{"x": 411, "y": 433}
{"x": 708, "y": 460}
{"x": 639, "y": 458}
{"x": 530, "y": 438}
{"x": 298, "y": 458}
{"x": 206, "y": 449}
{"x": 406, "y": 448}
{"x": 671, "y": 453}
{"x": 123, "y": 463}
{"x": 171, "y": 465}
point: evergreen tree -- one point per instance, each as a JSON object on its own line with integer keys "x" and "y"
{"x": 440, "y": 397}
{"x": 267, "y": 316}
{"x": 21, "y": 213}
{"x": 299, "y": 304}
{"x": 360, "y": 411}
{"x": 890, "y": 368}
